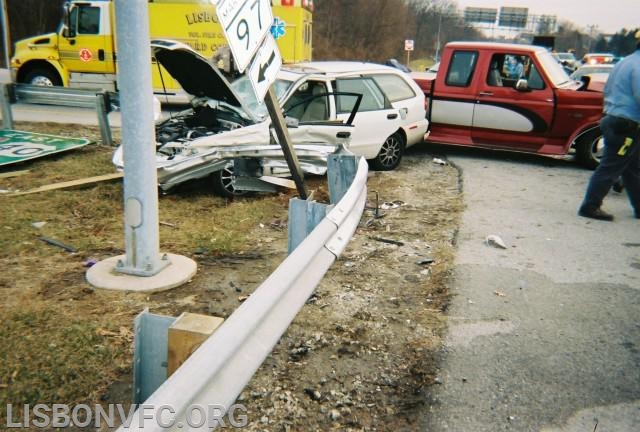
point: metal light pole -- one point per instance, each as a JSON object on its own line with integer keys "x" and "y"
{"x": 438, "y": 37}
{"x": 140, "y": 177}
{"x": 6, "y": 38}
{"x": 141, "y": 268}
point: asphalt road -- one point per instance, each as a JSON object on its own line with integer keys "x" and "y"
{"x": 545, "y": 334}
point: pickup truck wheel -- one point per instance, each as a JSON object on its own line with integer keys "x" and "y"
{"x": 223, "y": 183}
{"x": 589, "y": 149}
{"x": 43, "y": 77}
{"x": 390, "y": 154}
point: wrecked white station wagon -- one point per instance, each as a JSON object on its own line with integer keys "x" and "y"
{"x": 371, "y": 110}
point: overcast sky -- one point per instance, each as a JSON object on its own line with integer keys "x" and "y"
{"x": 609, "y": 15}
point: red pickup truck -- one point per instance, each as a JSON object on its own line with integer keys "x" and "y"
{"x": 511, "y": 97}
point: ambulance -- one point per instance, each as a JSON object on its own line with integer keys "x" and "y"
{"x": 82, "y": 53}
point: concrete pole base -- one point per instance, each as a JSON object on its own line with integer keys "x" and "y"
{"x": 103, "y": 275}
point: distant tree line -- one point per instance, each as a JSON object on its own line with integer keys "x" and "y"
{"x": 622, "y": 43}
{"x": 376, "y": 30}
{"x": 373, "y": 30}
{"x": 568, "y": 37}
{"x": 31, "y": 17}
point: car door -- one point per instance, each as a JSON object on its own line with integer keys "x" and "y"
{"x": 312, "y": 104}
{"x": 510, "y": 118}
{"x": 375, "y": 119}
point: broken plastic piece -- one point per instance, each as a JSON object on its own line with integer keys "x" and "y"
{"x": 495, "y": 241}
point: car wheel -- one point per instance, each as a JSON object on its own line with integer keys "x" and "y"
{"x": 390, "y": 154}
{"x": 589, "y": 148}
{"x": 224, "y": 183}
{"x": 43, "y": 77}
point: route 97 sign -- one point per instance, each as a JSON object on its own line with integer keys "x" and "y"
{"x": 245, "y": 24}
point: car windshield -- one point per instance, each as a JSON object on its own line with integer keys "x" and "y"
{"x": 555, "y": 71}
{"x": 243, "y": 88}
{"x": 565, "y": 56}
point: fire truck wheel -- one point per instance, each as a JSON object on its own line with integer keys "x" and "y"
{"x": 43, "y": 77}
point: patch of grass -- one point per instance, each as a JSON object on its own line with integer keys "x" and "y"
{"x": 63, "y": 341}
{"x": 49, "y": 356}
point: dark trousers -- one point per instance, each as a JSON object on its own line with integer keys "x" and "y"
{"x": 621, "y": 158}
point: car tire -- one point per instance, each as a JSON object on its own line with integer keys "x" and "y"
{"x": 223, "y": 183}
{"x": 390, "y": 154}
{"x": 589, "y": 149}
{"x": 43, "y": 77}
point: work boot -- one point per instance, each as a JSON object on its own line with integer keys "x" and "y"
{"x": 597, "y": 213}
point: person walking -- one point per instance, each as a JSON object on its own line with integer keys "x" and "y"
{"x": 620, "y": 127}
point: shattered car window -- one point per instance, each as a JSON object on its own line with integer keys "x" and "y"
{"x": 242, "y": 87}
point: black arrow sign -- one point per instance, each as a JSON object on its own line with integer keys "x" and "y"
{"x": 264, "y": 67}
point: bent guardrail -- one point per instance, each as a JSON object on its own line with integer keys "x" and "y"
{"x": 217, "y": 372}
{"x": 60, "y": 96}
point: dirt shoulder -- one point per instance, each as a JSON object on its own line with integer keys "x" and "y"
{"x": 362, "y": 352}
{"x": 358, "y": 356}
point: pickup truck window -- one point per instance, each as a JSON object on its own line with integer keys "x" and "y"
{"x": 395, "y": 87}
{"x": 506, "y": 69}
{"x": 461, "y": 68}
{"x": 535, "y": 81}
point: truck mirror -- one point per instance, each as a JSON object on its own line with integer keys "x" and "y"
{"x": 67, "y": 30}
{"x": 522, "y": 85}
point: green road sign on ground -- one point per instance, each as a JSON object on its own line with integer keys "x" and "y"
{"x": 19, "y": 146}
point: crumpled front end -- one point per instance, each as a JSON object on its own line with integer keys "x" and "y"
{"x": 188, "y": 148}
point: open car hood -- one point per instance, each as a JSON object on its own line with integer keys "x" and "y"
{"x": 196, "y": 74}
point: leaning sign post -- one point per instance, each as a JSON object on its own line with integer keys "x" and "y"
{"x": 246, "y": 25}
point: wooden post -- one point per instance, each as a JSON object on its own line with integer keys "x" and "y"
{"x": 285, "y": 141}
{"x": 186, "y": 334}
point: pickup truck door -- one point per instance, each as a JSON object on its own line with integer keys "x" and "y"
{"x": 504, "y": 117}
{"x": 451, "y": 106}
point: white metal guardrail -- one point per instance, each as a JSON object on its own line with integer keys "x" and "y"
{"x": 60, "y": 96}
{"x": 217, "y": 372}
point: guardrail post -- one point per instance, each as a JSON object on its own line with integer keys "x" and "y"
{"x": 150, "y": 354}
{"x": 5, "y": 101}
{"x": 303, "y": 217}
{"x": 103, "y": 108}
{"x": 341, "y": 170}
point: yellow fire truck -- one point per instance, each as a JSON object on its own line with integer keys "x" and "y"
{"x": 82, "y": 53}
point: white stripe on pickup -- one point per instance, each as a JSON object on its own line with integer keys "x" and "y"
{"x": 480, "y": 116}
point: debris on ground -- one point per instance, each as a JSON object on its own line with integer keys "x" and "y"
{"x": 495, "y": 241}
